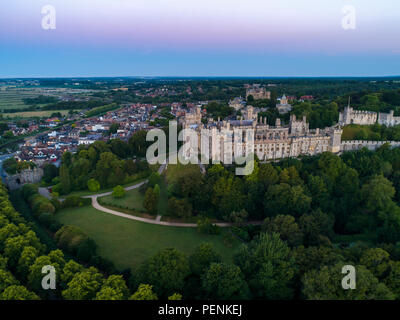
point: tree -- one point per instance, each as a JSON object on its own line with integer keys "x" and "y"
{"x": 268, "y": 266}
{"x": 93, "y": 185}
{"x": 179, "y": 208}
{"x": 70, "y": 269}
{"x": 286, "y": 227}
{"x": 113, "y": 128}
{"x": 55, "y": 259}
{"x": 202, "y": 257}
{"x": 377, "y": 261}
{"x": 166, "y": 271}
{"x": 84, "y": 285}
{"x": 150, "y": 202}
{"x": 315, "y": 226}
{"x": 144, "y": 292}
{"x": 118, "y": 192}
{"x": 114, "y": 288}
{"x": 284, "y": 199}
{"x": 224, "y": 282}
{"x": 50, "y": 171}
{"x": 377, "y": 193}
{"x": 27, "y": 258}
{"x": 17, "y": 292}
{"x": 65, "y": 180}
{"x": 175, "y": 296}
{"x": 326, "y": 284}
{"x": 6, "y": 279}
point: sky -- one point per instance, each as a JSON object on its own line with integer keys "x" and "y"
{"x": 200, "y": 38}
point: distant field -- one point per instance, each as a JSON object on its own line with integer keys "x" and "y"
{"x": 13, "y": 99}
{"x": 31, "y": 114}
{"x": 128, "y": 243}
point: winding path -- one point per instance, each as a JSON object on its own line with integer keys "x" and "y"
{"x": 156, "y": 221}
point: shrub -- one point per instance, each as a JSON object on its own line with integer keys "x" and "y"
{"x": 70, "y": 238}
{"x": 75, "y": 201}
{"x": 93, "y": 185}
{"x": 118, "y": 192}
{"x": 46, "y": 219}
{"x": 204, "y": 225}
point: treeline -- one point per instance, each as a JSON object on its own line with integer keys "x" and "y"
{"x": 377, "y": 100}
{"x": 100, "y": 110}
{"x": 40, "y": 100}
{"x": 102, "y": 165}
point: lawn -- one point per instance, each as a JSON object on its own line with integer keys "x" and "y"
{"x": 133, "y": 199}
{"x": 128, "y": 243}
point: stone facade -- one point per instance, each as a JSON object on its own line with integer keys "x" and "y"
{"x": 237, "y": 103}
{"x": 25, "y": 176}
{"x": 258, "y": 93}
{"x": 270, "y": 142}
{"x": 388, "y": 119}
{"x": 351, "y": 116}
{"x": 283, "y": 106}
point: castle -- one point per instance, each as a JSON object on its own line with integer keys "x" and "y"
{"x": 258, "y": 93}
{"x": 270, "y": 142}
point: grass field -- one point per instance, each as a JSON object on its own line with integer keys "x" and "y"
{"x": 31, "y": 114}
{"x": 13, "y": 98}
{"x": 128, "y": 243}
{"x": 133, "y": 199}
{"x": 359, "y": 132}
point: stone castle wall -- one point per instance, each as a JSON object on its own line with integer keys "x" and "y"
{"x": 352, "y": 145}
{"x": 16, "y": 181}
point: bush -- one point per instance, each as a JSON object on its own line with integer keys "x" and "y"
{"x": 93, "y": 185}
{"x": 118, "y": 192}
{"x": 86, "y": 250}
{"x": 46, "y": 219}
{"x": 179, "y": 208}
{"x": 70, "y": 238}
{"x": 204, "y": 225}
{"x": 75, "y": 201}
